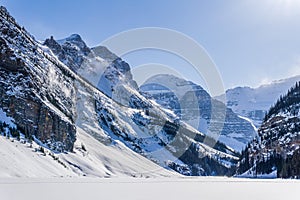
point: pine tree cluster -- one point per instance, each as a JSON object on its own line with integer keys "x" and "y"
{"x": 284, "y": 103}
{"x": 269, "y": 152}
{"x": 7, "y": 130}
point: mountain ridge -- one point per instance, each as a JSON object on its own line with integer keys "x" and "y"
{"x": 253, "y": 103}
{"x": 170, "y": 92}
{"x": 127, "y": 95}
{"x": 56, "y": 98}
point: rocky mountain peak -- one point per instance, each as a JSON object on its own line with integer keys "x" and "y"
{"x": 74, "y": 37}
{"x": 104, "y": 53}
{"x": 76, "y": 40}
{"x": 174, "y": 93}
{"x": 53, "y": 45}
{"x": 71, "y": 50}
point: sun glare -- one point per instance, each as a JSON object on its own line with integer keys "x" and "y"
{"x": 285, "y": 6}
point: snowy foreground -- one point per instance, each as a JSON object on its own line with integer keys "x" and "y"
{"x": 152, "y": 188}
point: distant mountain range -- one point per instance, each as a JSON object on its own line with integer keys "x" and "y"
{"x": 254, "y": 103}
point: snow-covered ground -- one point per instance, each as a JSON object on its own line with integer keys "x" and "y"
{"x": 251, "y": 173}
{"x": 208, "y": 188}
{"x": 19, "y": 159}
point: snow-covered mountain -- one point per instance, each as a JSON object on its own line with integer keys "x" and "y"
{"x": 91, "y": 158}
{"x": 39, "y": 116}
{"x": 80, "y": 106}
{"x": 277, "y": 149}
{"x": 140, "y": 123}
{"x": 254, "y": 103}
{"x": 175, "y": 94}
{"x": 97, "y": 65}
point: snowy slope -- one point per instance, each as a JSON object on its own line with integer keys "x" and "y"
{"x": 59, "y": 105}
{"x": 20, "y": 159}
{"x": 91, "y": 158}
{"x": 253, "y": 103}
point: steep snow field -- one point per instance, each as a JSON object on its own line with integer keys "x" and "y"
{"x": 97, "y": 160}
{"x": 207, "y": 188}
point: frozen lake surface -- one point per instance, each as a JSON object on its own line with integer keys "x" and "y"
{"x": 153, "y": 188}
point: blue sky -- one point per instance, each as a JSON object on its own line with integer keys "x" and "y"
{"x": 251, "y": 41}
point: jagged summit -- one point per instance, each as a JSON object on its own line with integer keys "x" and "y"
{"x": 104, "y": 53}
{"x": 76, "y": 40}
{"x": 3, "y": 10}
{"x": 74, "y": 37}
{"x": 71, "y": 51}
{"x": 173, "y": 82}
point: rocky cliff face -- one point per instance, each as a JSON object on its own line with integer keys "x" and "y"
{"x": 97, "y": 65}
{"x": 34, "y": 90}
{"x": 71, "y": 51}
{"x": 171, "y": 92}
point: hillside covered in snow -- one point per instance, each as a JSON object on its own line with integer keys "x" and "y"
{"x": 277, "y": 149}
{"x": 76, "y": 111}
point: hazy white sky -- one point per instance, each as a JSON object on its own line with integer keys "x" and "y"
{"x": 251, "y": 41}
